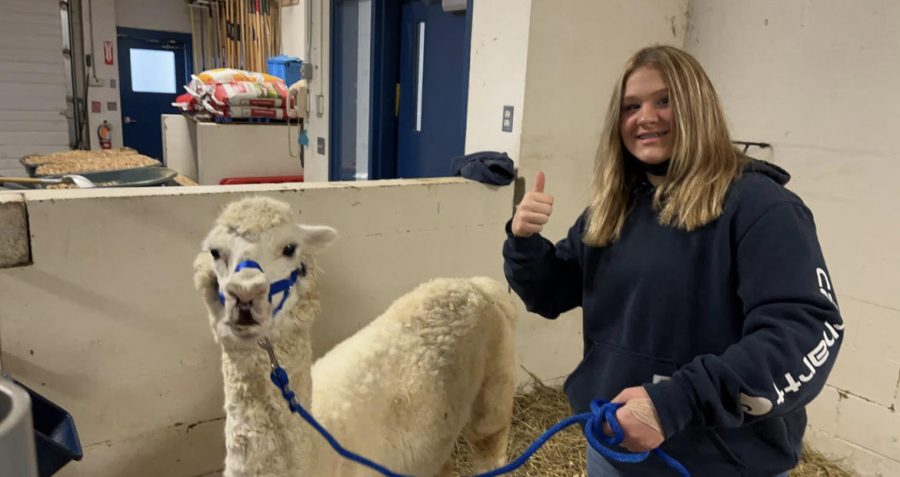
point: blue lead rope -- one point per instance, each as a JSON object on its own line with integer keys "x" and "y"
{"x": 593, "y": 429}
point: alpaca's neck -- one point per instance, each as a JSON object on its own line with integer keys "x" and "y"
{"x": 262, "y": 437}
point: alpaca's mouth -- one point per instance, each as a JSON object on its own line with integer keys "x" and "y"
{"x": 243, "y": 322}
{"x": 245, "y": 316}
{"x": 243, "y": 325}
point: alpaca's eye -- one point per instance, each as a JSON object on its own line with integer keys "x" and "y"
{"x": 289, "y": 250}
{"x": 215, "y": 253}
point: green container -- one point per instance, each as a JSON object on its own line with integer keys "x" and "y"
{"x": 139, "y": 177}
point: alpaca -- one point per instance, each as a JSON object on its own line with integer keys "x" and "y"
{"x": 439, "y": 363}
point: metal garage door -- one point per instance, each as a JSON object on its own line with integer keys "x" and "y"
{"x": 32, "y": 82}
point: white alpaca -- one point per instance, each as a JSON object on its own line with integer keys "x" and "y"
{"x": 438, "y": 363}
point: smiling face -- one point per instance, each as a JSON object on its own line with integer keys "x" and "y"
{"x": 245, "y": 274}
{"x": 645, "y": 123}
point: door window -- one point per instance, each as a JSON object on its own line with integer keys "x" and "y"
{"x": 152, "y": 71}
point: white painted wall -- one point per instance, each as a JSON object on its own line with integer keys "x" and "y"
{"x": 316, "y": 166}
{"x": 294, "y": 38}
{"x": 163, "y": 15}
{"x": 100, "y": 15}
{"x": 497, "y": 61}
{"x": 816, "y": 79}
{"x": 106, "y": 322}
{"x": 576, "y": 50}
{"x": 293, "y": 30}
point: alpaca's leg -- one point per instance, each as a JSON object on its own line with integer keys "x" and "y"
{"x": 488, "y": 427}
{"x": 489, "y": 452}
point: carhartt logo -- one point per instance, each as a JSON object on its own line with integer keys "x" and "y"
{"x": 812, "y": 360}
{"x": 755, "y": 405}
{"x": 825, "y": 286}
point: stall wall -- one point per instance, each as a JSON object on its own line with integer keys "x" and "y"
{"x": 106, "y": 322}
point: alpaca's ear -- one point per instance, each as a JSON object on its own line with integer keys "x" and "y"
{"x": 316, "y": 238}
{"x": 206, "y": 281}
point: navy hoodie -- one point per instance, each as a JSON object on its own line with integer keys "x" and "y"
{"x": 731, "y": 328}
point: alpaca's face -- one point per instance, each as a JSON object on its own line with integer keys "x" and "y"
{"x": 242, "y": 269}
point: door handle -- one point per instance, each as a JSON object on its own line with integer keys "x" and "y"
{"x": 128, "y": 120}
{"x": 420, "y": 72}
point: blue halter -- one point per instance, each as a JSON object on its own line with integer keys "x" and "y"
{"x": 280, "y": 286}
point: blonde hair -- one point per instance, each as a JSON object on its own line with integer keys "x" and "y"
{"x": 704, "y": 163}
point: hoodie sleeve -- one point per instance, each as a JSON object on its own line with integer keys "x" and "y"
{"x": 546, "y": 277}
{"x": 792, "y": 331}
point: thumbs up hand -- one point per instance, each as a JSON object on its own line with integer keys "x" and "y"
{"x": 533, "y": 211}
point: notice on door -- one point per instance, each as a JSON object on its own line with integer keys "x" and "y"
{"x": 107, "y": 52}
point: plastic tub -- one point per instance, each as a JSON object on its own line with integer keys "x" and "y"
{"x": 285, "y": 67}
{"x": 55, "y": 439}
{"x": 17, "y": 454}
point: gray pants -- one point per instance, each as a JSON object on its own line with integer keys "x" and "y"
{"x": 597, "y": 466}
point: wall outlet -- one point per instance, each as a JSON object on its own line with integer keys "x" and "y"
{"x": 507, "y": 124}
{"x": 320, "y": 146}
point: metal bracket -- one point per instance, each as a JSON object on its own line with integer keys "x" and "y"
{"x": 748, "y": 144}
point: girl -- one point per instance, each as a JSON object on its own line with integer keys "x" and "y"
{"x": 707, "y": 307}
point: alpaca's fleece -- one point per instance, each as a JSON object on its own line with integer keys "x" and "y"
{"x": 254, "y": 216}
{"x": 438, "y": 363}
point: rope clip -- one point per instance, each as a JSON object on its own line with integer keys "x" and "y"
{"x": 265, "y": 344}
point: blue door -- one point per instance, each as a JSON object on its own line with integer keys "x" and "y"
{"x": 434, "y": 77}
{"x": 399, "y": 82}
{"x": 153, "y": 66}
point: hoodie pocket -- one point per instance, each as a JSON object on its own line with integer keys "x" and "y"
{"x": 607, "y": 369}
{"x": 704, "y": 452}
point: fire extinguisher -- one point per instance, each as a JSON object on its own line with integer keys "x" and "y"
{"x": 104, "y": 133}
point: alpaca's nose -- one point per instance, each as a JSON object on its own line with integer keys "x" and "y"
{"x": 247, "y": 286}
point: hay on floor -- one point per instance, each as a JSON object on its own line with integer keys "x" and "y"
{"x": 542, "y": 406}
